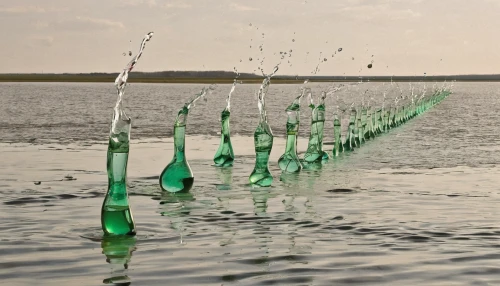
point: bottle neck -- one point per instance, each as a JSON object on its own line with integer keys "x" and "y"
{"x": 291, "y": 143}
{"x": 179, "y": 142}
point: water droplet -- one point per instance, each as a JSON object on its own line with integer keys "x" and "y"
{"x": 290, "y": 51}
{"x": 293, "y": 40}
{"x": 370, "y": 66}
{"x": 325, "y": 59}
{"x": 340, "y": 49}
{"x": 250, "y": 59}
{"x": 130, "y": 53}
{"x": 124, "y": 54}
{"x": 250, "y": 24}
{"x": 241, "y": 60}
{"x": 353, "y": 58}
{"x": 250, "y": 46}
{"x": 372, "y": 56}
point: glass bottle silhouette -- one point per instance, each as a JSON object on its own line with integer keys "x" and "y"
{"x": 263, "y": 139}
{"x": 116, "y": 217}
{"x": 315, "y": 153}
{"x": 177, "y": 175}
{"x": 350, "y": 142}
{"x": 289, "y": 161}
{"x": 337, "y": 136}
{"x": 224, "y": 157}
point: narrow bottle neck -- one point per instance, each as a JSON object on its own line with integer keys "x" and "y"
{"x": 179, "y": 142}
{"x": 291, "y": 143}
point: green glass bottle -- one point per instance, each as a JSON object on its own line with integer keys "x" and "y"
{"x": 337, "y": 136}
{"x": 224, "y": 157}
{"x": 263, "y": 139}
{"x": 116, "y": 217}
{"x": 289, "y": 161}
{"x": 350, "y": 142}
{"x": 315, "y": 153}
{"x": 177, "y": 175}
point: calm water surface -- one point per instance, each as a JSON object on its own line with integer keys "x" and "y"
{"x": 416, "y": 206}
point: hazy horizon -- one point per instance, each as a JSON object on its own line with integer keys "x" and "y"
{"x": 401, "y": 37}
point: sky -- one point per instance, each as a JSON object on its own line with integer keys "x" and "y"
{"x": 398, "y": 37}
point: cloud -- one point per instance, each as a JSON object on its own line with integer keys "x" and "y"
{"x": 150, "y": 3}
{"x": 370, "y": 12}
{"x": 178, "y": 5}
{"x": 101, "y": 22}
{"x": 29, "y": 9}
{"x": 239, "y": 7}
{"x": 45, "y": 41}
{"x": 80, "y": 23}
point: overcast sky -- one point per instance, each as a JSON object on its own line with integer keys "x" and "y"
{"x": 401, "y": 37}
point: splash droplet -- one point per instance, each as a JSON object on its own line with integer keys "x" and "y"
{"x": 293, "y": 40}
{"x": 290, "y": 51}
{"x": 370, "y": 66}
{"x": 340, "y": 49}
{"x": 250, "y": 24}
{"x": 325, "y": 59}
{"x": 250, "y": 59}
{"x": 130, "y": 53}
{"x": 353, "y": 58}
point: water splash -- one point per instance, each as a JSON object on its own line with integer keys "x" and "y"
{"x": 120, "y": 84}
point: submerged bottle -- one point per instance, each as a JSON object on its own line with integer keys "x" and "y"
{"x": 224, "y": 157}
{"x": 337, "y": 129}
{"x": 315, "y": 153}
{"x": 116, "y": 217}
{"x": 177, "y": 175}
{"x": 289, "y": 162}
{"x": 263, "y": 139}
{"x": 350, "y": 142}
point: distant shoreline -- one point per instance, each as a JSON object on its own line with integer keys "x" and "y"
{"x": 227, "y": 77}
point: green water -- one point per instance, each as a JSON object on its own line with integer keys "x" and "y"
{"x": 117, "y": 220}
